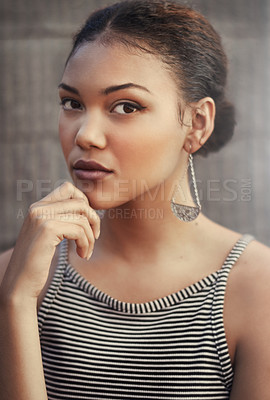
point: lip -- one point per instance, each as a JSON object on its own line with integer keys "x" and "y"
{"x": 90, "y": 170}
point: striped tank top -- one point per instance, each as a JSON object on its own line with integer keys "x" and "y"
{"x": 96, "y": 347}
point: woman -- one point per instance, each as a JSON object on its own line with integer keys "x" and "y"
{"x": 133, "y": 305}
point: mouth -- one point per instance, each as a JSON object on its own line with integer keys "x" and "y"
{"x": 90, "y": 170}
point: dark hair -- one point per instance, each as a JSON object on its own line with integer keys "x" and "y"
{"x": 183, "y": 39}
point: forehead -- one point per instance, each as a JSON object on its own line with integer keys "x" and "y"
{"x": 101, "y": 66}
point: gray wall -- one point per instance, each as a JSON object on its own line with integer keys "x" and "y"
{"x": 35, "y": 39}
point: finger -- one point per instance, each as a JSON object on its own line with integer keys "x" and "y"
{"x": 44, "y": 210}
{"x": 80, "y": 220}
{"x": 57, "y": 231}
{"x": 65, "y": 191}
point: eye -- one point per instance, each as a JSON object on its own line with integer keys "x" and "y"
{"x": 126, "y": 108}
{"x": 70, "y": 104}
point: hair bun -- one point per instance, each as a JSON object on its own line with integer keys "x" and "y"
{"x": 224, "y": 128}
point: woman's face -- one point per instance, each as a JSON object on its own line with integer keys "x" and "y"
{"x": 119, "y": 124}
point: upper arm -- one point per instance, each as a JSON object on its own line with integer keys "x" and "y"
{"x": 252, "y": 358}
{"x": 4, "y": 261}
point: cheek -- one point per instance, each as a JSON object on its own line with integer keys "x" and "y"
{"x": 150, "y": 152}
{"x": 66, "y": 137}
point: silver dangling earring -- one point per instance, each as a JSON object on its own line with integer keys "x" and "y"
{"x": 182, "y": 212}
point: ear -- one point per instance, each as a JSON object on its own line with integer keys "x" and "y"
{"x": 202, "y": 117}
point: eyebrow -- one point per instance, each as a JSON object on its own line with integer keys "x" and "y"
{"x": 112, "y": 89}
{"x": 68, "y": 88}
{"x": 106, "y": 91}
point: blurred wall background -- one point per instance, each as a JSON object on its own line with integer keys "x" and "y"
{"x": 35, "y": 40}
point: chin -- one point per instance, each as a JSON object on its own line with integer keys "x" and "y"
{"x": 103, "y": 197}
{"x": 103, "y": 202}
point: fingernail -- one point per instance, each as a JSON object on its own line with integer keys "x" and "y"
{"x": 97, "y": 236}
{"x": 88, "y": 258}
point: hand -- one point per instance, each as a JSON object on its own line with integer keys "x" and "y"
{"x": 64, "y": 213}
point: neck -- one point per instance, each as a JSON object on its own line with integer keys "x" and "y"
{"x": 147, "y": 223}
{"x": 150, "y": 227}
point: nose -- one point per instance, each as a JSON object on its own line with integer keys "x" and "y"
{"x": 91, "y": 132}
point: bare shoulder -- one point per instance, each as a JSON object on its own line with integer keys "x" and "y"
{"x": 247, "y": 293}
{"x": 249, "y": 280}
{"x": 4, "y": 261}
{"x": 248, "y": 311}
{"x": 252, "y": 271}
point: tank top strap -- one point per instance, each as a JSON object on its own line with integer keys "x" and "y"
{"x": 230, "y": 261}
{"x": 236, "y": 251}
{"x": 55, "y": 283}
{"x": 218, "y": 307}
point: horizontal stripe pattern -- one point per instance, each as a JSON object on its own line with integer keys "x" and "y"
{"x": 96, "y": 347}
